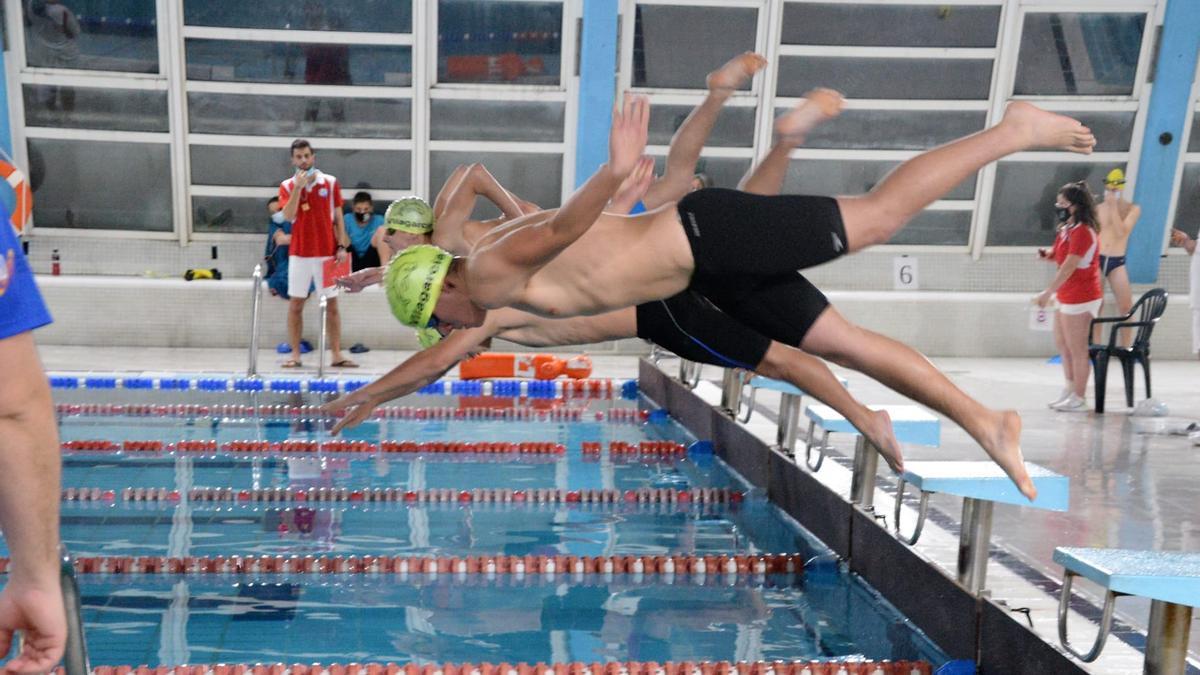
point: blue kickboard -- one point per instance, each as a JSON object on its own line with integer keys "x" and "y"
{"x": 1168, "y": 576}
{"x": 910, "y": 423}
{"x": 986, "y": 480}
{"x": 760, "y": 382}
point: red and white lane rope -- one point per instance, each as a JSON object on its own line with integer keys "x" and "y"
{"x": 846, "y": 667}
{"x": 701, "y": 496}
{"x": 648, "y": 448}
{"x": 740, "y": 564}
{"x": 559, "y": 414}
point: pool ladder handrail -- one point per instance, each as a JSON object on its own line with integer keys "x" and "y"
{"x": 75, "y": 657}
{"x": 255, "y": 299}
{"x": 324, "y": 304}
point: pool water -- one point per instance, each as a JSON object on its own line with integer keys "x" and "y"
{"x": 171, "y": 619}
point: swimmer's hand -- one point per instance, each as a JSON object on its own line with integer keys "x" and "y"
{"x": 354, "y": 283}
{"x": 633, "y": 188}
{"x": 627, "y": 139}
{"x": 357, "y": 406}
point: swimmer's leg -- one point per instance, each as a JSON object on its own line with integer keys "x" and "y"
{"x": 905, "y": 370}
{"x": 875, "y": 217}
{"x": 1118, "y": 281}
{"x": 814, "y": 378}
{"x": 819, "y": 105}
{"x": 693, "y": 133}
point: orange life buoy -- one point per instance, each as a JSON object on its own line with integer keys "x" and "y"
{"x": 23, "y": 196}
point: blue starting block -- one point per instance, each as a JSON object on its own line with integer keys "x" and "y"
{"x": 1170, "y": 580}
{"x": 910, "y": 423}
{"x": 790, "y": 398}
{"x": 981, "y": 484}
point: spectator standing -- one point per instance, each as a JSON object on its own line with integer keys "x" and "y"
{"x": 312, "y": 202}
{"x": 1077, "y": 288}
{"x": 1179, "y": 238}
{"x": 366, "y": 238}
{"x": 30, "y": 488}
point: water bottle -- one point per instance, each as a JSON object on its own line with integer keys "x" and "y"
{"x": 55, "y": 263}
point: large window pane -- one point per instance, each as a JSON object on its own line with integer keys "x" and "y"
{"x": 893, "y": 129}
{"x": 298, "y": 63}
{"x": 1187, "y": 211}
{"x": 849, "y": 177}
{"x": 299, "y": 116}
{"x": 92, "y": 108}
{"x": 734, "y": 128}
{"x": 267, "y": 167}
{"x": 230, "y": 214}
{"x": 948, "y": 79}
{"x": 1023, "y": 205}
{"x": 533, "y": 121}
{"x": 676, "y": 47}
{"x": 724, "y": 172}
{"x": 380, "y": 16}
{"x": 504, "y": 42}
{"x": 940, "y": 228}
{"x": 535, "y": 177}
{"x": 1078, "y": 54}
{"x": 74, "y": 181}
{"x": 1194, "y": 139}
{"x": 92, "y": 35}
{"x": 890, "y": 25}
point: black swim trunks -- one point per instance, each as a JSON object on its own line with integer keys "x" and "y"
{"x": 692, "y": 327}
{"x": 782, "y": 308}
{"x": 738, "y": 233}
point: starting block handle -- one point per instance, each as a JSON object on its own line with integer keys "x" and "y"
{"x": 747, "y": 401}
{"x": 808, "y": 448}
{"x": 922, "y": 510}
{"x": 1064, "y": 603}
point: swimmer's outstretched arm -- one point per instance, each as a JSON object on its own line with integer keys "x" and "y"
{"x": 418, "y": 370}
{"x": 508, "y": 255}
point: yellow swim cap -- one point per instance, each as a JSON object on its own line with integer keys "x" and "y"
{"x": 411, "y": 215}
{"x": 413, "y": 282}
{"x": 428, "y": 337}
{"x": 1116, "y": 178}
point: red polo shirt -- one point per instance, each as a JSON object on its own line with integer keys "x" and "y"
{"x": 312, "y": 229}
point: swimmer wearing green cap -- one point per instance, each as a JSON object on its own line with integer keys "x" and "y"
{"x": 1116, "y": 217}
{"x": 580, "y": 261}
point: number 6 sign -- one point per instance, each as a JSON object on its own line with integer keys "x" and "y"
{"x": 904, "y": 274}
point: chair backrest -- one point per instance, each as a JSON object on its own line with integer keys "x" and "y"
{"x": 1149, "y": 308}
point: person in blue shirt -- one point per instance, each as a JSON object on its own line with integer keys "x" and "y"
{"x": 30, "y": 486}
{"x": 366, "y": 238}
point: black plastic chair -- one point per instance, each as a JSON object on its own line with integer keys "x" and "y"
{"x": 1149, "y": 309}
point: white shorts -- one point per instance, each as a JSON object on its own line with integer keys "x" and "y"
{"x": 1092, "y": 308}
{"x": 304, "y": 273}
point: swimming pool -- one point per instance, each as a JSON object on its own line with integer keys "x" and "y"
{"x": 247, "y": 480}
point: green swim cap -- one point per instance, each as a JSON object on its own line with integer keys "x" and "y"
{"x": 413, "y": 282}
{"x": 428, "y": 337}
{"x": 411, "y": 215}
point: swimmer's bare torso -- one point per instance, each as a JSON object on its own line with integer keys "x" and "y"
{"x": 1117, "y": 217}
{"x": 619, "y": 262}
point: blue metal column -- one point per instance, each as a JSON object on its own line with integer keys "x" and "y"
{"x": 5, "y": 126}
{"x": 1174, "y": 73}
{"x": 597, "y": 85}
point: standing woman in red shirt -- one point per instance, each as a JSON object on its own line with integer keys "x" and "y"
{"x": 1077, "y": 288}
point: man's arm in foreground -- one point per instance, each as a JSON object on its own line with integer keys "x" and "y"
{"x": 29, "y": 495}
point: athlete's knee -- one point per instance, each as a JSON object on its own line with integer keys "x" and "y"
{"x": 774, "y": 363}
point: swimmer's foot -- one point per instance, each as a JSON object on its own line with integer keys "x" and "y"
{"x": 878, "y": 429}
{"x": 1037, "y": 128}
{"x": 725, "y": 80}
{"x": 818, "y": 106}
{"x": 1003, "y": 444}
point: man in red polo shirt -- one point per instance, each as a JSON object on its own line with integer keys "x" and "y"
{"x": 312, "y": 201}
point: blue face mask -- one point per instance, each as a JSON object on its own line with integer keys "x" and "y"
{"x": 277, "y": 218}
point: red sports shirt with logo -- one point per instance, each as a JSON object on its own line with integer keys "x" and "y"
{"x": 312, "y": 229}
{"x": 1084, "y": 283}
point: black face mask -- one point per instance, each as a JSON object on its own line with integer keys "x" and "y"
{"x": 1062, "y": 214}
{"x": 362, "y": 217}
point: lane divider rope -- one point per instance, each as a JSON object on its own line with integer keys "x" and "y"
{"x": 309, "y": 412}
{"x": 813, "y": 667}
{"x": 651, "y": 448}
{"x": 703, "y": 496}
